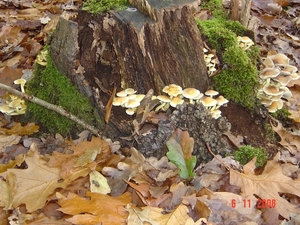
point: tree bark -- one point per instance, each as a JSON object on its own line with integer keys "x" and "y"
{"x": 155, "y": 44}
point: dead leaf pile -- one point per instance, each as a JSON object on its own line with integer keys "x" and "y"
{"x": 24, "y": 30}
{"x": 56, "y": 181}
{"x": 88, "y": 184}
{"x": 276, "y": 27}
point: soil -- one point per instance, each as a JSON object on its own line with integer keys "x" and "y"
{"x": 251, "y": 126}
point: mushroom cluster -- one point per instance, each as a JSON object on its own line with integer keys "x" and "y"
{"x": 210, "y": 61}
{"x": 128, "y": 99}
{"x": 14, "y": 105}
{"x": 174, "y": 95}
{"x": 42, "y": 58}
{"x": 213, "y": 103}
{"x": 273, "y": 81}
{"x": 244, "y": 42}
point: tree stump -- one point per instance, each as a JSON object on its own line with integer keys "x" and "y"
{"x": 153, "y": 44}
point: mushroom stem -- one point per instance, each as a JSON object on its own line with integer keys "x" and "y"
{"x": 160, "y": 107}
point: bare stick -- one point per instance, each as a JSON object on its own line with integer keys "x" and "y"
{"x": 214, "y": 155}
{"x": 52, "y": 107}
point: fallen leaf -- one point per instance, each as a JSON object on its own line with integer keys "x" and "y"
{"x": 267, "y": 185}
{"x": 8, "y": 140}
{"x": 143, "y": 191}
{"x": 98, "y": 183}
{"x": 155, "y": 216}
{"x": 6, "y": 195}
{"x": 180, "y": 147}
{"x": 38, "y": 181}
{"x": 288, "y": 140}
{"x": 159, "y": 170}
{"x": 96, "y": 209}
{"x": 236, "y": 140}
{"x": 17, "y": 128}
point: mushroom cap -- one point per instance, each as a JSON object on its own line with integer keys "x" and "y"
{"x": 190, "y": 93}
{"x": 286, "y": 92}
{"x": 215, "y": 113}
{"x": 6, "y": 109}
{"x": 269, "y": 73}
{"x": 120, "y": 101}
{"x": 284, "y": 80}
{"x": 221, "y": 100}
{"x": 163, "y": 98}
{"x": 131, "y": 96}
{"x": 140, "y": 97}
{"x": 208, "y": 101}
{"x": 210, "y": 55}
{"x": 199, "y": 96}
{"x": 211, "y": 93}
{"x": 172, "y": 90}
{"x": 295, "y": 76}
{"x": 121, "y": 94}
{"x": 17, "y": 103}
{"x": 244, "y": 39}
{"x": 266, "y": 102}
{"x": 132, "y": 103}
{"x": 279, "y": 59}
{"x": 276, "y": 98}
{"x": 210, "y": 65}
{"x": 289, "y": 68}
{"x": 129, "y": 91}
{"x": 13, "y": 97}
{"x": 268, "y": 63}
{"x": 275, "y": 106}
{"x": 176, "y": 101}
{"x": 272, "y": 90}
{"x": 207, "y": 60}
{"x": 20, "y": 81}
{"x": 130, "y": 111}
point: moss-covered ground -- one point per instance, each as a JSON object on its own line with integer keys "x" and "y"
{"x": 54, "y": 87}
{"x": 238, "y": 78}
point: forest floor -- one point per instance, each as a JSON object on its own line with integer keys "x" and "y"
{"x": 64, "y": 187}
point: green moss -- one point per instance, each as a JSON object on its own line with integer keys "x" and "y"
{"x": 215, "y": 6}
{"x": 101, "y": 6}
{"x": 246, "y": 153}
{"x": 270, "y": 133}
{"x": 218, "y": 36}
{"x": 282, "y": 114}
{"x": 50, "y": 85}
{"x": 238, "y": 81}
{"x": 221, "y": 33}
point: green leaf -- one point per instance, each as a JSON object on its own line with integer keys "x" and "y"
{"x": 175, "y": 155}
{"x": 180, "y": 147}
{"x": 191, "y": 163}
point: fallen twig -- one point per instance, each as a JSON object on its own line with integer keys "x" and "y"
{"x": 52, "y": 107}
{"x": 214, "y": 155}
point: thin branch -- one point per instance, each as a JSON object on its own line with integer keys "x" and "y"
{"x": 52, "y": 107}
{"x": 214, "y": 155}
